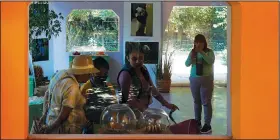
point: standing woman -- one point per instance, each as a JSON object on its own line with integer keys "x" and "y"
{"x": 201, "y": 60}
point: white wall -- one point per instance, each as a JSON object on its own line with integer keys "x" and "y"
{"x": 61, "y": 57}
{"x": 122, "y": 9}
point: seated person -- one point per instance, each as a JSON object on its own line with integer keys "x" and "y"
{"x": 135, "y": 74}
{"x": 97, "y": 80}
{"x": 103, "y": 66}
{"x": 63, "y": 104}
{"x": 100, "y": 78}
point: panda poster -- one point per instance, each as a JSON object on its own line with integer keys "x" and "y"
{"x": 141, "y": 19}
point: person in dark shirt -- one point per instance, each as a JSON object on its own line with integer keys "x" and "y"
{"x": 134, "y": 74}
{"x": 100, "y": 78}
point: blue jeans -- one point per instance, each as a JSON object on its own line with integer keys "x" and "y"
{"x": 202, "y": 92}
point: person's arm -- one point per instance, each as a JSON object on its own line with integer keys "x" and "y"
{"x": 125, "y": 82}
{"x": 111, "y": 86}
{"x": 63, "y": 115}
{"x": 189, "y": 61}
{"x": 163, "y": 102}
{"x": 46, "y": 102}
{"x": 208, "y": 57}
{"x": 70, "y": 98}
{"x": 45, "y": 108}
{"x": 157, "y": 95}
{"x": 85, "y": 87}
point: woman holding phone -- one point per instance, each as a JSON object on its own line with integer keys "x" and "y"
{"x": 201, "y": 60}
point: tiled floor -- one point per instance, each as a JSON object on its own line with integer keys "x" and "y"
{"x": 181, "y": 96}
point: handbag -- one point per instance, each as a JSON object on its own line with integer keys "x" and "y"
{"x": 199, "y": 67}
{"x": 189, "y": 126}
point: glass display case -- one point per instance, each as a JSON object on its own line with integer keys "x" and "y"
{"x": 140, "y": 123}
{"x": 155, "y": 120}
{"x": 118, "y": 119}
{"x": 97, "y": 100}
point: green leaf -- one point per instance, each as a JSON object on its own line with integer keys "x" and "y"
{"x": 41, "y": 20}
{"x": 47, "y": 32}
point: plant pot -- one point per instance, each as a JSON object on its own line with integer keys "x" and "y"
{"x": 163, "y": 86}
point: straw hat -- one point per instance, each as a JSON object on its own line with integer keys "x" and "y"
{"x": 82, "y": 65}
{"x": 90, "y": 60}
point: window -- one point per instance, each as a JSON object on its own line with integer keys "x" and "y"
{"x": 183, "y": 24}
{"x": 92, "y": 31}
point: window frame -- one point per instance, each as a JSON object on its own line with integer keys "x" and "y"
{"x": 90, "y": 52}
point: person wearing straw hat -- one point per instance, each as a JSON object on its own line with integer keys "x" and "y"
{"x": 64, "y": 111}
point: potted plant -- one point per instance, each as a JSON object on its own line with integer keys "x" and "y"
{"x": 164, "y": 72}
{"x": 42, "y": 21}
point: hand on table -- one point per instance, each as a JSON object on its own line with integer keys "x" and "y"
{"x": 172, "y": 107}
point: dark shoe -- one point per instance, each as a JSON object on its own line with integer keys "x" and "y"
{"x": 206, "y": 129}
{"x": 198, "y": 124}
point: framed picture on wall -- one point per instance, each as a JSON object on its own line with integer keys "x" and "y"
{"x": 141, "y": 19}
{"x": 40, "y": 49}
{"x": 151, "y": 56}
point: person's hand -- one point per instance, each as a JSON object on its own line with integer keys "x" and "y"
{"x": 172, "y": 107}
{"x": 193, "y": 56}
{"x": 37, "y": 127}
{"x": 108, "y": 84}
{"x": 46, "y": 129}
{"x": 42, "y": 120}
{"x": 193, "y": 60}
{"x": 85, "y": 87}
{"x": 200, "y": 48}
{"x": 111, "y": 87}
{"x": 196, "y": 48}
{"x": 141, "y": 107}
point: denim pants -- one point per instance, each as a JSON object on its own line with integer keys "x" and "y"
{"x": 202, "y": 92}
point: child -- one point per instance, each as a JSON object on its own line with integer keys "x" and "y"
{"x": 100, "y": 78}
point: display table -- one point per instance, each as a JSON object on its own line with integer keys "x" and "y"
{"x": 97, "y": 101}
{"x": 138, "y": 131}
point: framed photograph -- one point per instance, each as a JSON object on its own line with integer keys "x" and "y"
{"x": 151, "y": 56}
{"x": 141, "y": 19}
{"x": 40, "y": 49}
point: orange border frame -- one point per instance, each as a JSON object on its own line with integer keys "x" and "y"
{"x": 254, "y": 72}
